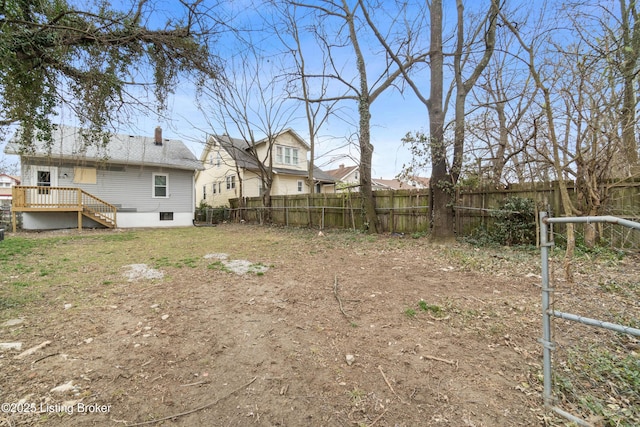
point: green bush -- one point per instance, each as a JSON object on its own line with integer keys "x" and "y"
{"x": 208, "y": 214}
{"x": 515, "y": 222}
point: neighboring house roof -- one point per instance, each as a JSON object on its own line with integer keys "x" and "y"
{"x": 238, "y": 149}
{"x": 418, "y": 181}
{"x": 68, "y": 144}
{"x": 290, "y": 131}
{"x": 389, "y": 184}
{"x": 13, "y": 178}
{"x": 396, "y": 184}
{"x": 342, "y": 172}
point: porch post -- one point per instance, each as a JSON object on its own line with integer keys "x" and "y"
{"x": 14, "y": 198}
{"x": 79, "y": 209}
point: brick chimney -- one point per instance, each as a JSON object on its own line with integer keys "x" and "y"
{"x": 158, "y": 136}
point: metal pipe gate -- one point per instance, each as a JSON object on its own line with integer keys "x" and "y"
{"x": 548, "y": 313}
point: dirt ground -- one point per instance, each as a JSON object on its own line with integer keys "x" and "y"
{"x": 336, "y": 330}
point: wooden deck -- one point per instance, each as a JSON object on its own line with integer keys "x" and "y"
{"x": 63, "y": 199}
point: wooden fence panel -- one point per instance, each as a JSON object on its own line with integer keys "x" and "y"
{"x": 407, "y": 211}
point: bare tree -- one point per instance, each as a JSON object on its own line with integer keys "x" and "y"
{"x": 249, "y": 101}
{"x": 348, "y": 30}
{"x": 501, "y": 123}
{"x": 558, "y": 153}
{"x": 612, "y": 36}
{"x": 445, "y": 172}
{"x": 316, "y": 113}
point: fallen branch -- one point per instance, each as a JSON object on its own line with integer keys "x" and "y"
{"x": 170, "y": 417}
{"x": 196, "y": 383}
{"x": 335, "y": 293}
{"x": 44, "y": 357}
{"x": 449, "y": 362}
{"x": 32, "y": 350}
{"x": 377, "y": 418}
{"x": 389, "y": 384}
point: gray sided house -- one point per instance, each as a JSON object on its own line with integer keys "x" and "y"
{"x": 132, "y": 181}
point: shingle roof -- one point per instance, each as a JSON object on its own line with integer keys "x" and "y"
{"x": 237, "y": 149}
{"x": 68, "y": 144}
{"x": 340, "y": 173}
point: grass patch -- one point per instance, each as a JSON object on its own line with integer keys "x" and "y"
{"x": 219, "y": 266}
{"x": 435, "y": 310}
{"x": 410, "y": 313}
{"x": 121, "y": 237}
{"x": 21, "y": 284}
{"x": 10, "y": 249}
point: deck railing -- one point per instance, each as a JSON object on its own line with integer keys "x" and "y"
{"x": 63, "y": 199}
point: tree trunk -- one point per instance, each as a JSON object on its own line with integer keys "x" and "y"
{"x": 440, "y": 188}
{"x": 366, "y": 188}
{"x": 366, "y": 148}
{"x": 630, "y": 55}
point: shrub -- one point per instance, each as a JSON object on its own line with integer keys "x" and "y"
{"x": 515, "y": 222}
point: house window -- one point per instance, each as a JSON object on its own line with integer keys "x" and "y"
{"x": 231, "y": 182}
{"x": 160, "y": 185}
{"x": 204, "y": 191}
{"x": 166, "y": 216}
{"x": 214, "y": 188}
{"x": 300, "y": 186}
{"x": 286, "y": 155}
{"x": 219, "y": 159}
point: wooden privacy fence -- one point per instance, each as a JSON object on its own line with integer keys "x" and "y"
{"x": 474, "y": 207}
{"x": 399, "y": 211}
{"x": 407, "y": 211}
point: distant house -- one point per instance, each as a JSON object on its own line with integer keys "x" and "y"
{"x": 133, "y": 181}
{"x": 6, "y": 182}
{"x": 348, "y": 179}
{"x": 228, "y": 161}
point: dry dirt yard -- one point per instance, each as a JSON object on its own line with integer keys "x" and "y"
{"x": 240, "y": 325}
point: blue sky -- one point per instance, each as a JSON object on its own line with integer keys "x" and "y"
{"x": 393, "y": 114}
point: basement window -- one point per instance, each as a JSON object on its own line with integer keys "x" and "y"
{"x": 166, "y": 216}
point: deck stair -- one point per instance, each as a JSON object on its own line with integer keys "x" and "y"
{"x": 63, "y": 199}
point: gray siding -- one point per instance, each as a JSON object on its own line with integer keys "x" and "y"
{"x": 130, "y": 187}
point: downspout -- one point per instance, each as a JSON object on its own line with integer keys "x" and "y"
{"x": 193, "y": 197}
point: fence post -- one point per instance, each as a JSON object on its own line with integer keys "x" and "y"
{"x": 547, "y": 344}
